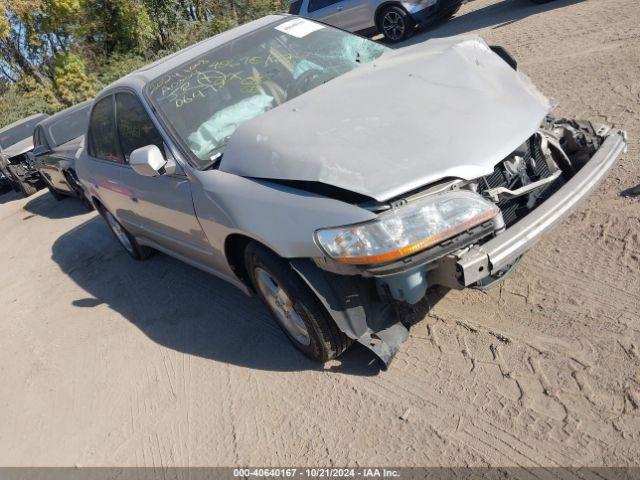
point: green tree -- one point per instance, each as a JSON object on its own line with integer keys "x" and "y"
{"x": 71, "y": 82}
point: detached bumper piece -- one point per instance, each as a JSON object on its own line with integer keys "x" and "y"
{"x": 505, "y": 249}
{"x": 353, "y": 303}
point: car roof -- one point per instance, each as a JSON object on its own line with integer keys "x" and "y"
{"x": 139, "y": 78}
{"x": 47, "y": 122}
{"x": 23, "y": 120}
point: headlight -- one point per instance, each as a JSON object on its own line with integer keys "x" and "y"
{"x": 408, "y": 229}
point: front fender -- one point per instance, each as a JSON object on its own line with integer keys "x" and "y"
{"x": 282, "y": 218}
{"x": 354, "y": 305}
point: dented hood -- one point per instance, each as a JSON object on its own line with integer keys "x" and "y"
{"x": 447, "y": 108}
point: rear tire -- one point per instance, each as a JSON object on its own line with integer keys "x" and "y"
{"x": 126, "y": 240}
{"x": 294, "y": 306}
{"x": 395, "y": 24}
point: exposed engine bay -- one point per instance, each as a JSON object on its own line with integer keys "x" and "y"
{"x": 539, "y": 166}
{"x": 519, "y": 184}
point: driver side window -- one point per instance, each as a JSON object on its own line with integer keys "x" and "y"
{"x": 135, "y": 128}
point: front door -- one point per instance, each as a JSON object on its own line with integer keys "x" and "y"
{"x": 158, "y": 208}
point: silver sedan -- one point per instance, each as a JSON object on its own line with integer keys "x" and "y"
{"x": 333, "y": 177}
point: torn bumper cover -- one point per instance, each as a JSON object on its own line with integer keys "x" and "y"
{"x": 502, "y": 251}
{"x": 375, "y": 323}
{"x": 356, "y": 309}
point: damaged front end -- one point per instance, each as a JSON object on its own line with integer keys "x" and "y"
{"x": 534, "y": 188}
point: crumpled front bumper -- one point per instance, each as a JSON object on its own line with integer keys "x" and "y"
{"x": 500, "y": 252}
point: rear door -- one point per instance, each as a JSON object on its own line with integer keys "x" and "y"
{"x": 159, "y": 208}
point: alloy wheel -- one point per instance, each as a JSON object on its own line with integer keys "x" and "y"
{"x": 282, "y": 306}
{"x": 393, "y": 25}
{"x": 121, "y": 235}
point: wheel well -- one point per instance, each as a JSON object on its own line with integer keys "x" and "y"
{"x": 234, "y": 247}
{"x": 381, "y": 8}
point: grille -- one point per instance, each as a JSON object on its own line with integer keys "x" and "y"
{"x": 515, "y": 208}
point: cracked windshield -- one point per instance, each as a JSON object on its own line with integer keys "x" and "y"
{"x": 205, "y": 100}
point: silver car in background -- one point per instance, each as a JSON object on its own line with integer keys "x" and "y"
{"x": 334, "y": 177}
{"x": 395, "y": 20}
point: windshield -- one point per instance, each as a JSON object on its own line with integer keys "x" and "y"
{"x": 69, "y": 126}
{"x": 19, "y": 132}
{"x": 206, "y": 99}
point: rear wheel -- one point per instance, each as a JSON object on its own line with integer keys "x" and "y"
{"x": 395, "y": 24}
{"x": 127, "y": 240}
{"x": 297, "y": 310}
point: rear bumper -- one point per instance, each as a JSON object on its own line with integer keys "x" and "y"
{"x": 500, "y": 252}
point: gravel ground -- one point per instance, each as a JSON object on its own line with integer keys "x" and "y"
{"x": 105, "y": 361}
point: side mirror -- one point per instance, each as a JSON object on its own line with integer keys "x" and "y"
{"x": 40, "y": 150}
{"x": 148, "y": 161}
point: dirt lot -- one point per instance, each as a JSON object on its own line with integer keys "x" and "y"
{"x": 105, "y": 361}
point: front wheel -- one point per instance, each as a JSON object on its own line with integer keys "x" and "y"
{"x": 395, "y": 24}
{"x": 297, "y": 310}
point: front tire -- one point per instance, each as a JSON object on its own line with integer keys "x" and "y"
{"x": 296, "y": 309}
{"x": 126, "y": 240}
{"x": 395, "y": 24}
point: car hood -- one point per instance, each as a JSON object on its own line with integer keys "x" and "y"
{"x": 22, "y": 146}
{"x": 447, "y": 108}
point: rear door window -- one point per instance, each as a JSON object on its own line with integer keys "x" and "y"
{"x": 103, "y": 139}
{"x": 135, "y": 128}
